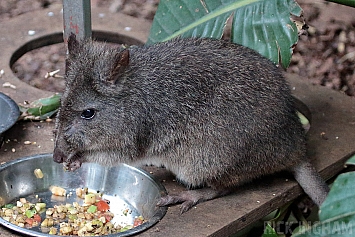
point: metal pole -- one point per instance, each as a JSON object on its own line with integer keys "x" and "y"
{"x": 77, "y": 19}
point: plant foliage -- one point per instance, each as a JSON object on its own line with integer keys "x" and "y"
{"x": 263, "y": 25}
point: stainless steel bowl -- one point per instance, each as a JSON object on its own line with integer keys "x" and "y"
{"x": 124, "y": 186}
{"x": 9, "y": 113}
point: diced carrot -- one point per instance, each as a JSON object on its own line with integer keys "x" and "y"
{"x": 137, "y": 221}
{"x": 102, "y": 206}
{"x": 29, "y": 221}
{"x": 37, "y": 218}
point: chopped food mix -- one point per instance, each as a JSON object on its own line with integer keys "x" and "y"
{"x": 93, "y": 218}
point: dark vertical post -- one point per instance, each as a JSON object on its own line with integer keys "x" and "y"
{"x": 77, "y": 18}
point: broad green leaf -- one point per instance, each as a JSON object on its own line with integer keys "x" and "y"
{"x": 263, "y": 25}
{"x": 337, "y": 213}
{"x": 267, "y": 29}
{"x": 191, "y": 18}
{"x": 341, "y": 198}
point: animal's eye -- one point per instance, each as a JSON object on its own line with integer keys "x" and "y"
{"x": 88, "y": 114}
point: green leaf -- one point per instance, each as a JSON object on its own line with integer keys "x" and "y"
{"x": 341, "y": 198}
{"x": 269, "y": 231}
{"x": 42, "y": 108}
{"x": 337, "y": 213}
{"x": 263, "y": 25}
{"x": 44, "y": 105}
{"x": 303, "y": 119}
{"x": 351, "y": 161}
{"x": 350, "y": 3}
{"x": 192, "y": 18}
{"x": 268, "y": 29}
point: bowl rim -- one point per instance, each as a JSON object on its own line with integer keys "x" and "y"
{"x": 161, "y": 211}
{"x": 14, "y": 112}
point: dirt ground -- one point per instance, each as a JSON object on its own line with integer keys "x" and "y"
{"x": 325, "y": 56}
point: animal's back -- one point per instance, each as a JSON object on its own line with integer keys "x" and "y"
{"x": 220, "y": 109}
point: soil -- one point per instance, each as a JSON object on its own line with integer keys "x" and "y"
{"x": 325, "y": 55}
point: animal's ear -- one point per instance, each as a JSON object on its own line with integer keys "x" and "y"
{"x": 121, "y": 64}
{"x": 73, "y": 44}
{"x": 73, "y": 48}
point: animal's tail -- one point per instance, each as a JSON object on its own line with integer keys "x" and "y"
{"x": 311, "y": 182}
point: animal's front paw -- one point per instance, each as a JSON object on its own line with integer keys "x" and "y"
{"x": 71, "y": 166}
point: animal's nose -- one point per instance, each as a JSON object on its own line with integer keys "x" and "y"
{"x": 58, "y": 155}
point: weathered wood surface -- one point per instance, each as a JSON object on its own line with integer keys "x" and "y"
{"x": 330, "y": 143}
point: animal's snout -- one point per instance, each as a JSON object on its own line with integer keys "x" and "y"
{"x": 58, "y": 156}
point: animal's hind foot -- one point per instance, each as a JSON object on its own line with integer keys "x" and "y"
{"x": 190, "y": 198}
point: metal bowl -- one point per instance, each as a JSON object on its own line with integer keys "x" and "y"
{"x": 124, "y": 186}
{"x": 9, "y": 113}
